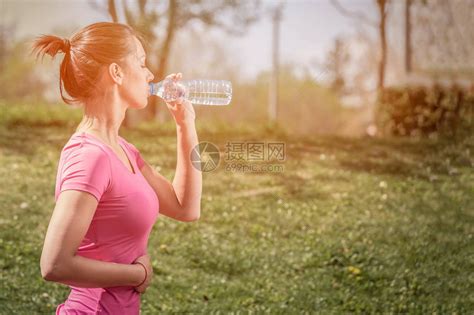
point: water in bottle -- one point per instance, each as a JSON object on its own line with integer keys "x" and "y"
{"x": 198, "y": 92}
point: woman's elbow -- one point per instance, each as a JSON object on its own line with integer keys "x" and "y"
{"x": 192, "y": 217}
{"x": 49, "y": 272}
{"x": 195, "y": 218}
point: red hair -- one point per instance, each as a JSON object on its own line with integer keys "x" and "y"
{"x": 86, "y": 54}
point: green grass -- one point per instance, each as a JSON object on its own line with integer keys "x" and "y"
{"x": 351, "y": 225}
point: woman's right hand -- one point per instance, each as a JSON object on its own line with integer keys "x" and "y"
{"x": 181, "y": 109}
{"x": 145, "y": 260}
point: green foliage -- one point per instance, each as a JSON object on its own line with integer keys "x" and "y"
{"x": 350, "y": 226}
{"x": 422, "y": 111}
{"x": 18, "y": 77}
{"x": 14, "y": 114}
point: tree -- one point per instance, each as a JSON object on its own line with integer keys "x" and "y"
{"x": 160, "y": 27}
{"x": 382, "y": 9}
{"x": 380, "y": 25}
{"x": 336, "y": 61}
{"x": 443, "y": 46}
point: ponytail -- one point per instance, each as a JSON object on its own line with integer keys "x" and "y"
{"x": 50, "y": 44}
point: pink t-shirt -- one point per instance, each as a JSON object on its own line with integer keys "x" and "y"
{"x": 128, "y": 207}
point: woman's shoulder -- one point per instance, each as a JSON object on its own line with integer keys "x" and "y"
{"x": 84, "y": 165}
{"x": 79, "y": 143}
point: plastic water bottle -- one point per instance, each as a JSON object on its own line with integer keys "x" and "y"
{"x": 198, "y": 92}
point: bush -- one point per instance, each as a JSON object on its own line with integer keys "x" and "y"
{"x": 424, "y": 111}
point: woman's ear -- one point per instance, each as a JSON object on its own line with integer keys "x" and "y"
{"x": 116, "y": 73}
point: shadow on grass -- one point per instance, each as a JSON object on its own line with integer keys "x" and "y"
{"x": 422, "y": 159}
{"x": 25, "y": 139}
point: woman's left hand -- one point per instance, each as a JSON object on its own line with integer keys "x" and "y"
{"x": 181, "y": 109}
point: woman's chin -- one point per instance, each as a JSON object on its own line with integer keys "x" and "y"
{"x": 141, "y": 105}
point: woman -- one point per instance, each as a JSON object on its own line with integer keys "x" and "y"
{"x": 107, "y": 196}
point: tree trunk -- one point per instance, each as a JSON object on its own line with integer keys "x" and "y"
{"x": 112, "y": 10}
{"x": 160, "y": 113}
{"x": 407, "y": 37}
{"x": 383, "y": 44}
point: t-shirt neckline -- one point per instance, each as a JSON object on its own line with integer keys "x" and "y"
{"x": 134, "y": 172}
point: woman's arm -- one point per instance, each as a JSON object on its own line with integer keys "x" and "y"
{"x": 180, "y": 200}
{"x": 71, "y": 218}
{"x": 89, "y": 273}
{"x": 187, "y": 181}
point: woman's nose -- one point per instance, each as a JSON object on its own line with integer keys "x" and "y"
{"x": 151, "y": 76}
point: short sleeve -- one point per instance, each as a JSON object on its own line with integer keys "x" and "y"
{"x": 137, "y": 155}
{"x": 86, "y": 168}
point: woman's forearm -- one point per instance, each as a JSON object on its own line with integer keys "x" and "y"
{"x": 187, "y": 181}
{"x": 90, "y": 273}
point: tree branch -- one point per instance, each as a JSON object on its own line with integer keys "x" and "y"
{"x": 141, "y": 6}
{"x": 128, "y": 14}
{"x": 112, "y": 10}
{"x": 166, "y": 47}
{"x": 353, "y": 14}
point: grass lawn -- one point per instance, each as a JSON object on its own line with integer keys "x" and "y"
{"x": 350, "y": 225}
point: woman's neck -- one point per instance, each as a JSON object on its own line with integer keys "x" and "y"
{"x": 103, "y": 121}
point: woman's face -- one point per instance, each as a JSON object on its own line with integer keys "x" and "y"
{"x": 136, "y": 78}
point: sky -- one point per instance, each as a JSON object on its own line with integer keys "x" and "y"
{"x": 308, "y": 28}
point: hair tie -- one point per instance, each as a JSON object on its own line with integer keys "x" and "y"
{"x": 67, "y": 45}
